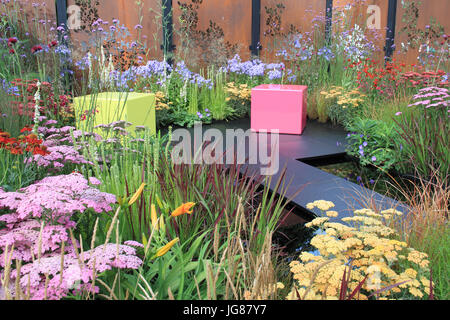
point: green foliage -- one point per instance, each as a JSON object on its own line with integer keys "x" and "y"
{"x": 216, "y": 98}
{"x": 14, "y": 173}
{"x": 425, "y": 144}
{"x": 374, "y": 143}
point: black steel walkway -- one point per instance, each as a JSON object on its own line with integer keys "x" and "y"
{"x": 317, "y": 141}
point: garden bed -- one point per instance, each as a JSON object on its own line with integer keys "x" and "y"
{"x": 93, "y": 206}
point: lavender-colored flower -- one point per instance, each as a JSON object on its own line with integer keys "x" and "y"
{"x": 274, "y": 74}
{"x": 133, "y": 243}
{"x": 57, "y": 197}
{"x": 94, "y": 181}
{"x": 326, "y": 53}
{"x": 140, "y": 128}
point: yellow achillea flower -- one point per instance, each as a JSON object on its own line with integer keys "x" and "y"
{"x": 184, "y": 208}
{"x": 415, "y": 292}
{"x": 161, "y": 102}
{"x": 411, "y": 273}
{"x": 332, "y": 214}
{"x": 321, "y": 205}
{"x": 392, "y": 211}
{"x": 316, "y": 222}
{"x": 163, "y": 250}
{"x": 365, "y": 240}
{"x": 344, "y": 98}
{"x": 137, "y": 194}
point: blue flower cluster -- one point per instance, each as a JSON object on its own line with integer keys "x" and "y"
{"x": 65, "y": 59}
{"x": 201, "y": 115}
{"x": 188, "y": 76}
{"x": 84, "y": 62}
{"x": 326, "y": 53}
{"x": 255, "y": 68}
{"x": 8, "y": 88}
{"x": 161, "y": 71}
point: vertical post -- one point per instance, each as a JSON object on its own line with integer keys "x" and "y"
{"x": 255, "y": 47}
{"x": 167, "y": 30}
{"x": 61, "y": 21}
{"x": 328, "y": 21}
{"x": 61, "y": 13}
{"x": 390, "y": 32}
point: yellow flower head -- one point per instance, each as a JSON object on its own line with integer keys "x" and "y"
{"x": 163, "y": 250}
{"x": 154, "y": 217}
{"x": 332, "y": 214}
{"x": 184, "y": 208}
{"x": 136, "y": 195}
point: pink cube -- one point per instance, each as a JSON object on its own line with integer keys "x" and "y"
{"x": 279, "y": 107}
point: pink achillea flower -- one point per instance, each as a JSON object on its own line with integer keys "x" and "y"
{"x": 94, "y": 181}
{"x": 432, "y": 97}
{"x": 56, "y": 199}
{"x": 60, "y": 145}
{"x": 134, "y": 244}
{"x": 59, "y": 157}
{"x": 25, "y": 238}
{"x": 37, "y": 226}
{"x": 75, "y": 276}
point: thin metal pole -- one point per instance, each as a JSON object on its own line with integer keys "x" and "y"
{"x": 167, "y": 46}
{"x": 390, "y": 32}
{"x": 328, "y": 21}
{"x": 61, "y": 13}
{"x": 255, "y": 47}
{"x": 63, "y": 35}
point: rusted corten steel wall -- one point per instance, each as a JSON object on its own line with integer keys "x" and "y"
{"x": 235, "y": 18}
{"x": 438, "y": 9}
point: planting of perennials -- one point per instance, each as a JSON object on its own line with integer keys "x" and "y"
{"x": 358, "y": 260}
{"x": 37, "y": 237}
{"x": 99, "y": 209}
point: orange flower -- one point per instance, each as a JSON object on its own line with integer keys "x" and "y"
{"x": 184, "y": 208}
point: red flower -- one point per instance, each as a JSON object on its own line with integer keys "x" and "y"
{"x": 41, "y": 151}
{"x": 36, "y": 49}
{"x": 16, "y": 151}
{"x": 54, "y": 43}
{"x": 11, "y": 51}
{"x": 26, "y": 129}
{"x": 12, "y": 40}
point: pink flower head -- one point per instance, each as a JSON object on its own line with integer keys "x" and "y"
{"x": 94, "y": 181}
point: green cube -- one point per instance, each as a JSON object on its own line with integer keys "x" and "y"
{"x": 107, "y": 107}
